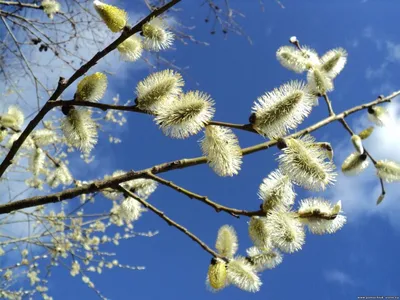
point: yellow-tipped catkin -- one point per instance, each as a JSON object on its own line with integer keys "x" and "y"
{"x": 131, "y": 49}
{"x": 92, "y": 87}
{"x": 217, "y": 274}
{"x": 366, "y": 133}
{"x": 114, "y": 17}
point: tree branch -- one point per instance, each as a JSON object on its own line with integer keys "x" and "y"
{"x": 174, "y": 165}
{"x": 63, "y": 84}
{"x": 171, "y": 222}
{"x": 351, "y": 132}
{"x": 134, "y": 108}
{"x": 218, "y": 207}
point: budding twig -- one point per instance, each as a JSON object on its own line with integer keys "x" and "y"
{"x": 173, "y": 165}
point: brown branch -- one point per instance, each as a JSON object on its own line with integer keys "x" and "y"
{"x": 174, "y": 165}
{"x": 134, "y": 108}
{"x": 329, "y": 104}
{"x": 171, "y": 222}
{"x": 63, "y": 84}
{"x": 21, "y": 4}
{"x": 218, "y": 207}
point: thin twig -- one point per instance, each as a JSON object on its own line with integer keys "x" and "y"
{"x": 218, "y": 207}
{"x": 170, "y": 222}
{"x": 351, "y": 132}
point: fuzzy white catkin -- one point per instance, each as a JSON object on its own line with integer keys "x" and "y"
{"x": 130, "y": 210}
{"x": 44, "y": 137}
{"x": 263, "y": 259}
{"x": 306, "y": 164}
{"x": 13, "y": 118}
{"x": 378, "y": 115}
{"x": 297, "y": 60}
{"x": 160, "y": 88}
{"x": 222, "y": 149}
{"x": 142, "y": 187}
{"x": 227, "y": 241}
{"x": 80, "y": 130}
{"x": 388, "y": 170}
{"x": 186, "y": 116}
{"x": 333, "y": 62}
{"x": 241, "y": 274}
{"x": 259, "y": 232}
{"x": 287, "y": 232}
{"x": 355, "y": 163}
{"x": 50, "y": 7}
{"x": 131, "y": 49}
{"x": 282, "y": 109}
{"x": 319, "y": 82}
{"x": 157, "y": 37}
{"x": 316, "y": 207}
{"x": 37, "y": 160}
{"x": 276, "y": 191}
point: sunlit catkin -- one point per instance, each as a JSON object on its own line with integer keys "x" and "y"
{"x": 227, "y": 241}
{"x": 286, "y": 230}
{"x": 333, "y": 62}
{"x": 131, "y": 49}
{"x": 160, "y": 88}
{"x": 378, "y": 115}
{"x": 357, "y": 143}
{"x": 221, "y": 147}
{"x": 265, "y": 259}
{"x": 388, "y": 170}
{"x": 276, "y": 191}
{"x": 217, "y": 275}
{"x": 185, "y": 116}
{"x": 259, "y": 232}
{"x": 321, "y": 216}
{"x": 355, "y": 163}
{"x": 319, "y": 82}
{"x": 306, "y": 164}
{"x": 114, "y": 17}
{"x": 92, "y": 87}
{"x": 297, "y": 60}
{"x": 242, "y": 274}
{"x": 366, "y": 132}
{"x": 79, "y": 129}
{"x": 50, "y": 7}
{"x": 156, "y": 35}
{"x": 282, "y": 109}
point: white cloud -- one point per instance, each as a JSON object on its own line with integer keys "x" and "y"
{"x": 359, "y": 193}
{"x": 380, "y": 72}
{"x": 339, "y": 277}
{"x": 393, "y": 51}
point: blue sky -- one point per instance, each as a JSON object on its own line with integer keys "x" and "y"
{"x": 360, "y": 259}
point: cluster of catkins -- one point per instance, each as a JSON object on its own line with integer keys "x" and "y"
{"x": 303, "y": 162}
{"x": 79, "y": 128}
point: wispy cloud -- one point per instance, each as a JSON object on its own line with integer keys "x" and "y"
{"x": 392, "y": 54}
{"x": 339, "y": 277}
{"x": 359, "y": 193}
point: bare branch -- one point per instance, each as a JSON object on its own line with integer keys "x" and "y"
{"x": 171, "y": 222}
